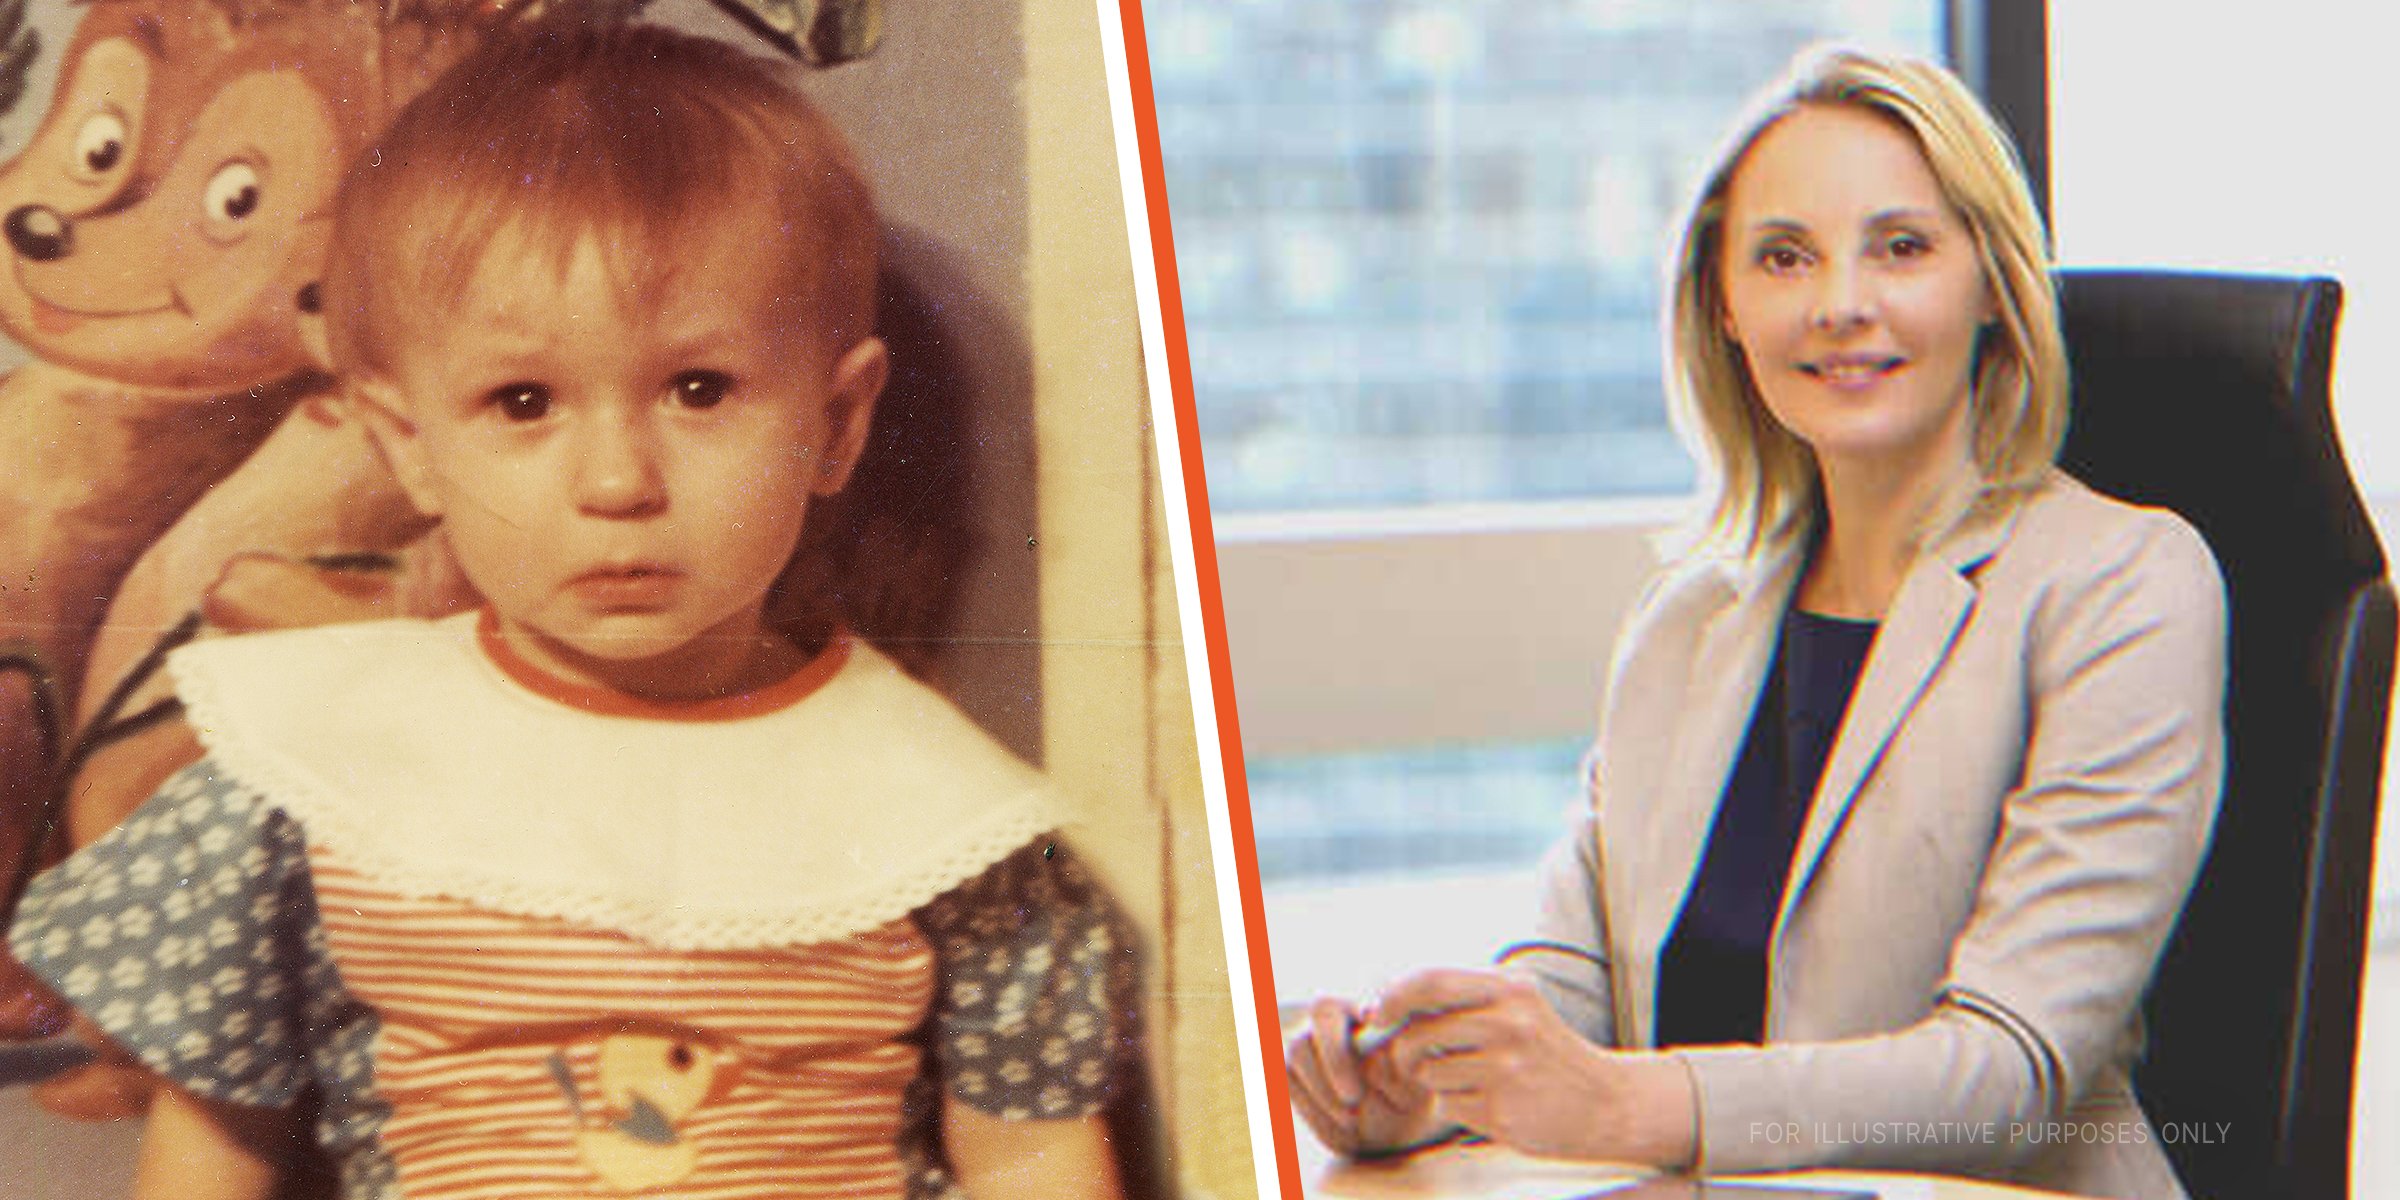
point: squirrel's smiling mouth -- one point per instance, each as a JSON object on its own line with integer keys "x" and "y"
{"x": 54, "y": 318}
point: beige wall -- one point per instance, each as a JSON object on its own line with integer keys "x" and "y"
{"x": 1117, "y": 715}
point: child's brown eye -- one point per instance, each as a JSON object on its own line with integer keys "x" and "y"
{"x": 520, "y": 401}
{"x": 700, "y": 389}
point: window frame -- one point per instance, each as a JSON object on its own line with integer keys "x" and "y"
{"x": 2002, "y": 49}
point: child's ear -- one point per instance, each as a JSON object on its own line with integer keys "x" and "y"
{"x": 858, "y": 378}
{"x": 381, "y": 408}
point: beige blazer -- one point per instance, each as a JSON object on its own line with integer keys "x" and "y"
{"x": 2007, "y": 825}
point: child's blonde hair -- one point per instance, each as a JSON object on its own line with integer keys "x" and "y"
{"x": 630, "y": 134}
{"x": 1763, "y": 478}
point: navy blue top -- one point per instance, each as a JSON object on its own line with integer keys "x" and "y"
{"x": 1712, "y": 977}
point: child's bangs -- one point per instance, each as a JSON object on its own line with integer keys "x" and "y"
{"x": 670, "y": 148}
{"x": 667, "y": 170}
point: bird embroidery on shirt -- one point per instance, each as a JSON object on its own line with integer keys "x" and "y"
{"x": 648, "y": 1084}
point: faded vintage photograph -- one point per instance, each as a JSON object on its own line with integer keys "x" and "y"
{"x": 586, "y": 610}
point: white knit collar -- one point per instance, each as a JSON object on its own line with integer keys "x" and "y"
{"x": 402, "y": 747}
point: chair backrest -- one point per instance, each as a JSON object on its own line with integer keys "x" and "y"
{"x": 2208, "y": 394}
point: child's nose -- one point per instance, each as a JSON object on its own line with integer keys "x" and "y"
{"x": 617, "y": 469}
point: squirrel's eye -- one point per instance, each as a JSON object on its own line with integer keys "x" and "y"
{"x": 99, "y": 145}
{"x": 700, "y": 389}
{"x": 520, "y": 401}
{"x": 232, "y": 192}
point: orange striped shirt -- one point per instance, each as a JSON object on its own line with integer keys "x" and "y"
{"x": 531, "y": 1058}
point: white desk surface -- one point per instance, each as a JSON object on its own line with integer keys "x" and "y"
{"x": 1490, "y": 1173}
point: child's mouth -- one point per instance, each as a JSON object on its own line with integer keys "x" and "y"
{"x": 630, "y": 586}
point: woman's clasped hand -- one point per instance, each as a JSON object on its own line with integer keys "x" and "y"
{"x": 1480, "y": 1050}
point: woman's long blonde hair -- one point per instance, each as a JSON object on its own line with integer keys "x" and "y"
{"x": 1763, "y": 478}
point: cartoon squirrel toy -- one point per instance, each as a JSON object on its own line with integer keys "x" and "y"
{"x": 163, "y": 231}
{"x": 313, "y": 492}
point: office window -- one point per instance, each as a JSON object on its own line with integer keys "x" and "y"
{"x": 1419, "y": 242}
{"x": 1327, "y": 817}
{"x": 1420, "y": 250}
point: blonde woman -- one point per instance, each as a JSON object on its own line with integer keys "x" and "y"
{"x": 1906, "y": 768}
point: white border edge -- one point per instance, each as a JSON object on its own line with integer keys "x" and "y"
{"x": 1158, "y": 379}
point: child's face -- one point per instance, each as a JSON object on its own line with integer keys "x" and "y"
{"x": 624, "y": 486}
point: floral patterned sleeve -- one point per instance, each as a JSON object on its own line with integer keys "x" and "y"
{"x": 188, "y": 935}
{"x": 1034, "y": 1007}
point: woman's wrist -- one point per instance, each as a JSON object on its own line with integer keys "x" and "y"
{"x": 1661, "y": 1111}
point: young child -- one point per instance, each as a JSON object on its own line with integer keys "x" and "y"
{"x": 610, "y": 888}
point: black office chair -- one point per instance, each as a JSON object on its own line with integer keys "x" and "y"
{"x": 2207, "y": 394}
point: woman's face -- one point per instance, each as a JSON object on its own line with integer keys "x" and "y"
{"x": 1854, "y": 291}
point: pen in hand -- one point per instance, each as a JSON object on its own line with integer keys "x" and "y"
{"x": 1372, "y": 1034}
{"x": 1369, "y": 1036}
